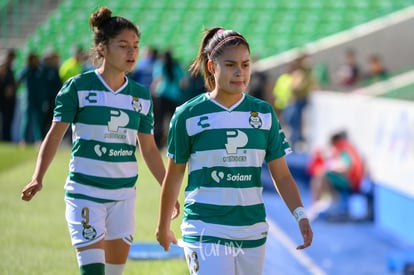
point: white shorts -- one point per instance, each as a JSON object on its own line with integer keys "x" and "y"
{"x": 211, "y": 258}
{"x": 90, "y": 222}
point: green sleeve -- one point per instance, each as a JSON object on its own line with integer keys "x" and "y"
{"x": 278, "y": 146}
{"x": 66, "y": 103}
{"x": 179, "y": 147}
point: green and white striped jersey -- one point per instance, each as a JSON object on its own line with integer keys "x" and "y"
{"x": 225, "y": 149}
{"x": 105, "y": 123}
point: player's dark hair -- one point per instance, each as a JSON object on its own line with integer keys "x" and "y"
{"x": 214, "y": 41}
{"x": 105, "y": 26}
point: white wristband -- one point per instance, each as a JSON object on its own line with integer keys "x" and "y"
{"x": 299, "y": 213}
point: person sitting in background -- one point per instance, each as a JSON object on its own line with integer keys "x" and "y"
{"x": 349, "y": 73}
{"x": 376, "y": 69}
{"x": 342, "y": 170}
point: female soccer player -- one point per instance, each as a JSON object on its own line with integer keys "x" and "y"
{"x": 109, "y": 113}
{"x": 225, "y": 136}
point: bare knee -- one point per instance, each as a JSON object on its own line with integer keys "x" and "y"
{"x": 116, "y": 251}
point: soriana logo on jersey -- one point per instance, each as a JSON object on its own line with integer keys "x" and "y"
{"x": 219, "y": 176}
{"x": 102, "y": 150}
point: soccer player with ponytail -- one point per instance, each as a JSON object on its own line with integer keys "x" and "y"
{"x": 225, "y": 135}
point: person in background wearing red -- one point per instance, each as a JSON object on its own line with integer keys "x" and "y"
{"x": 342, "y": 170}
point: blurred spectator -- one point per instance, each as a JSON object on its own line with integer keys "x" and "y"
{"x": 7, "y": 95}
{"x": 51, "y": 63}
{"x": 73, "y": 65}
{"x": 193, "y": 85}
{"x": 33, "y": 76}
{"x": 88, "y": 61}
{"x": 376, "y": 69}
{"x": 166, "y": 88}
{"x": 303, "y": 83}
{"x": 341, "y": 170}
{"x": 259, "y": 86}
{"x": 282, "y": 92}
{"x": 349, "y": 72}
{"x": 321, "y": 73}
{"x": 144, "y": 68}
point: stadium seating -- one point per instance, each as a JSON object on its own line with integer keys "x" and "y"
{"x": 4, "y": 3}
{"x": 271, "y": 26}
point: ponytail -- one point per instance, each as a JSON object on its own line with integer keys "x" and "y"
{"x": 212, "y": 45}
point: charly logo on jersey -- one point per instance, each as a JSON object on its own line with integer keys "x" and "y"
{"x": 203, "y": 122}
{"x": 91, "y": 97}
{"x": 254, "y": 120}
{"x": 102, "y": 150}
{"x": 118, "y": 120}
{"x": 136, "y": 104}
{"x": 235, "y": 139}
{"x": 219, "y": 176}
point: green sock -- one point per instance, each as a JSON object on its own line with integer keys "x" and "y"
{"x": 93, "y": 269}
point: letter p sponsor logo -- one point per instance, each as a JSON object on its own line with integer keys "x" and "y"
{"x": 235, "y": 139}
{"x": 118, "y": 119}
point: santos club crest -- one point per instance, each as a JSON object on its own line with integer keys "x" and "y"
{"x": 254, "y": 120}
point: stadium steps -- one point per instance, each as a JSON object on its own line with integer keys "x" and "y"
{"x": 19, "y": 19}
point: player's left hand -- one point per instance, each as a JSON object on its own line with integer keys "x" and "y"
{"x": 307, "y": 234}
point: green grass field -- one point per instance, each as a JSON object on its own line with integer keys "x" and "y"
{"x": 34, "y": 237}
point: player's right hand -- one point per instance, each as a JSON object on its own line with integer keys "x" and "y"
{"x": 165, "y": 238}
{"x": 31, "y": 189}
